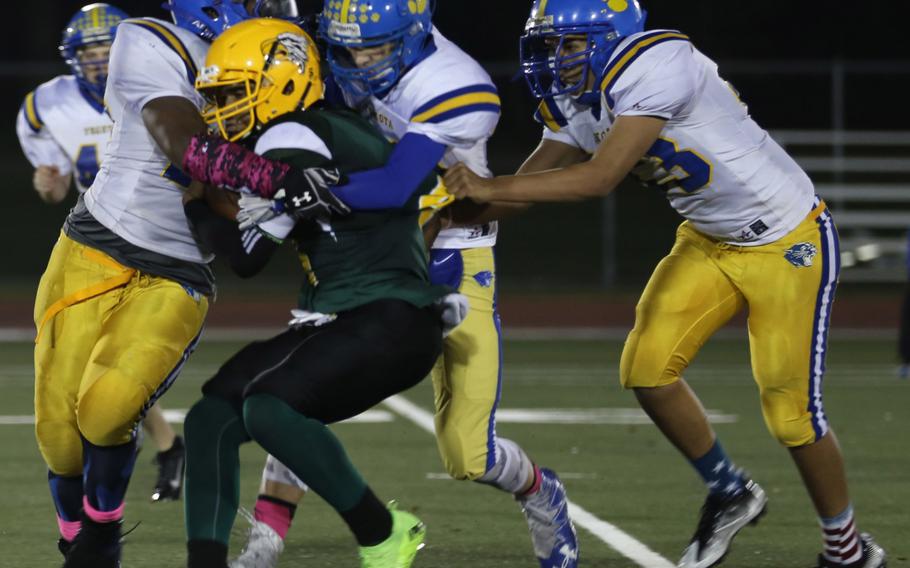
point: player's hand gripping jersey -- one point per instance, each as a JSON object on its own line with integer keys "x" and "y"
{"x": 719, "y": 169}
{"x": 61, "y": 125}
{"x": 137, "y": 192}
{"x": 450, "y": 99}
{"x": 350, "y": 260}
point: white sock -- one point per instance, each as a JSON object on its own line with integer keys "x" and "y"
{"x": 274, "y": 470}
{"x": 842, "y": 544}
{"x": 512, "y": 469}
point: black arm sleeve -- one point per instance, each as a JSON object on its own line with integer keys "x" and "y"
{"x": 246, "y": 251}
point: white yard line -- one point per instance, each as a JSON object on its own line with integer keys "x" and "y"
{"x": 611, "y": 535}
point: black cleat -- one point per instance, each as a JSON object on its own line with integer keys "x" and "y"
{"x": 96, "y": 546}
{"x": 873, "y": 556}
{"x": 170, "y": 464}
{"x": 64, "y": 546}
{"x": 721, "y": 518}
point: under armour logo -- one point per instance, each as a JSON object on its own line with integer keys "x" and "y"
{"x": 299, "y": 200}
{"x": 569, "y": 555}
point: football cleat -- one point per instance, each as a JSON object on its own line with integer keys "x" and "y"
{"x": 874, "y": 556}
{"x": 263, "y": 547}
{"x": 170, "y": 464}
{"x": 96, "y": 546}
{"x": 64, "y": 546}
{"x": 399, "y": 550}
{"x": 903, "y": 372}
{"x": 721, "y": 518}
{"x": 552, "y": 531}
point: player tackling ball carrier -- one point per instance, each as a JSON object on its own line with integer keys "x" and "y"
{"x": 755, "y": 236}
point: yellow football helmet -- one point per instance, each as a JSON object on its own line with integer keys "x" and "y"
{"x": 256, "y": 71}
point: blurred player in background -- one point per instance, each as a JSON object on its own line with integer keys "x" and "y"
{"x": 903, "y": 339}
{"x": 368, "y": 324}
{"x": 440, "y": 107}
{"x": 755, "y": 235}
{"x": 63, "y": 130}
{"x": 121, "y": 304}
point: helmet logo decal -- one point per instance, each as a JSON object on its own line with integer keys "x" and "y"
{"x": 209, "y": 74}
{"x": 618, "y": 5}
{"x": 337, "y": 29}
{"x": 295, "y": 47}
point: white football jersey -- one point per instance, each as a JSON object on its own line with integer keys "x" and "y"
{"x": 137, "y": 193}
{"x": 718, "y": 168}
{"x": 60, "y": 125}
{"x": 449, "y": 98}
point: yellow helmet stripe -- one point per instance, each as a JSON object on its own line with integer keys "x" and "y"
{"x": 470, "y": 99}
{"x": 632, "y": 51}
{"x": 542, "y": 8}
{"x": 172, "y": 41}
{"x": 345, "y": 10}
{"x": 31, "y": 112}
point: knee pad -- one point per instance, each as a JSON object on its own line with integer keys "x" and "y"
{"x": 60, "y": 446}
{"x": 644, "y": 366}
{"x": 108, "y": 412}
{"x": 790, "y": 424}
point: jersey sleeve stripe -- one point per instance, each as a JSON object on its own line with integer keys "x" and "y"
{"x": 482, "y": 93}
{"x": 632, "y": 51}
{"x": 549, "y": 115}
{"x": 462, "y": 110}
{"x": 172, "y": 41}
{"x": 31, "y": 113}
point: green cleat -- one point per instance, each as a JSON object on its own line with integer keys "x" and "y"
{"x": 399, "y": 550}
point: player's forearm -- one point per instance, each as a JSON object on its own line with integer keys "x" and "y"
{"x": 222, "y": 237}
{"x": 215, "y": 161}
{"x": 172, "y": 122}
{"x": 575, "y": 183}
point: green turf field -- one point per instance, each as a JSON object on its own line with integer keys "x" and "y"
{"x": 624, "y": 474}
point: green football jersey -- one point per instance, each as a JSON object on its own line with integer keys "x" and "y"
{"x": 354, "y": 259}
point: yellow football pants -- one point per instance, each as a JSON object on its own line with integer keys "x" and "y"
{"x": 466, "y": 378}
{"x": 788, "y": 287}
{"x": 110, "y": 341}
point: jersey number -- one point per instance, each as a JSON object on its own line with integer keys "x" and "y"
{"x": 672, "y": 167}
{"x": 87, "y": 164}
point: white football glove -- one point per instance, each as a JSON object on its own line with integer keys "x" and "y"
{"x": 255, "y": 210}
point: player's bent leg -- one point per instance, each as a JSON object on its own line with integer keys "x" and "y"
{"x": 467, "y": 382}
{"x": 790, "y": 309}
{"x": 340, "y": 370}
{"x": 214, "y": 432}
{"x": 686, "y": 300}
{"x": 130, "y": 367}
{"x": 76, "y": 290}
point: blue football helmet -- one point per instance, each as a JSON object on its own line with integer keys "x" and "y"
{"x": 93, "y": 24}
{"x": 603, "y": 23}
{"x": 208, "y": 18}
{"x": 406, "y": 24}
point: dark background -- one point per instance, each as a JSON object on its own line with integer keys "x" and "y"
{"x": 779, "y": 54}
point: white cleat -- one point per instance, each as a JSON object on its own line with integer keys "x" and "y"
{"x": 721, "y": 518}
{"x": 262, "y": 549}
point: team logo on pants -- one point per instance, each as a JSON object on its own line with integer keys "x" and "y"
{"x": 801, "y": 255}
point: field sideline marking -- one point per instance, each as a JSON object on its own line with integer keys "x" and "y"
{"x": 611, "y": 535}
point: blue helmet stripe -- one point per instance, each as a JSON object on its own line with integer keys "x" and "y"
{"x": 480, "y": 88}
{"x": 633, "y": 51}
{"x": 171, "y": 40}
